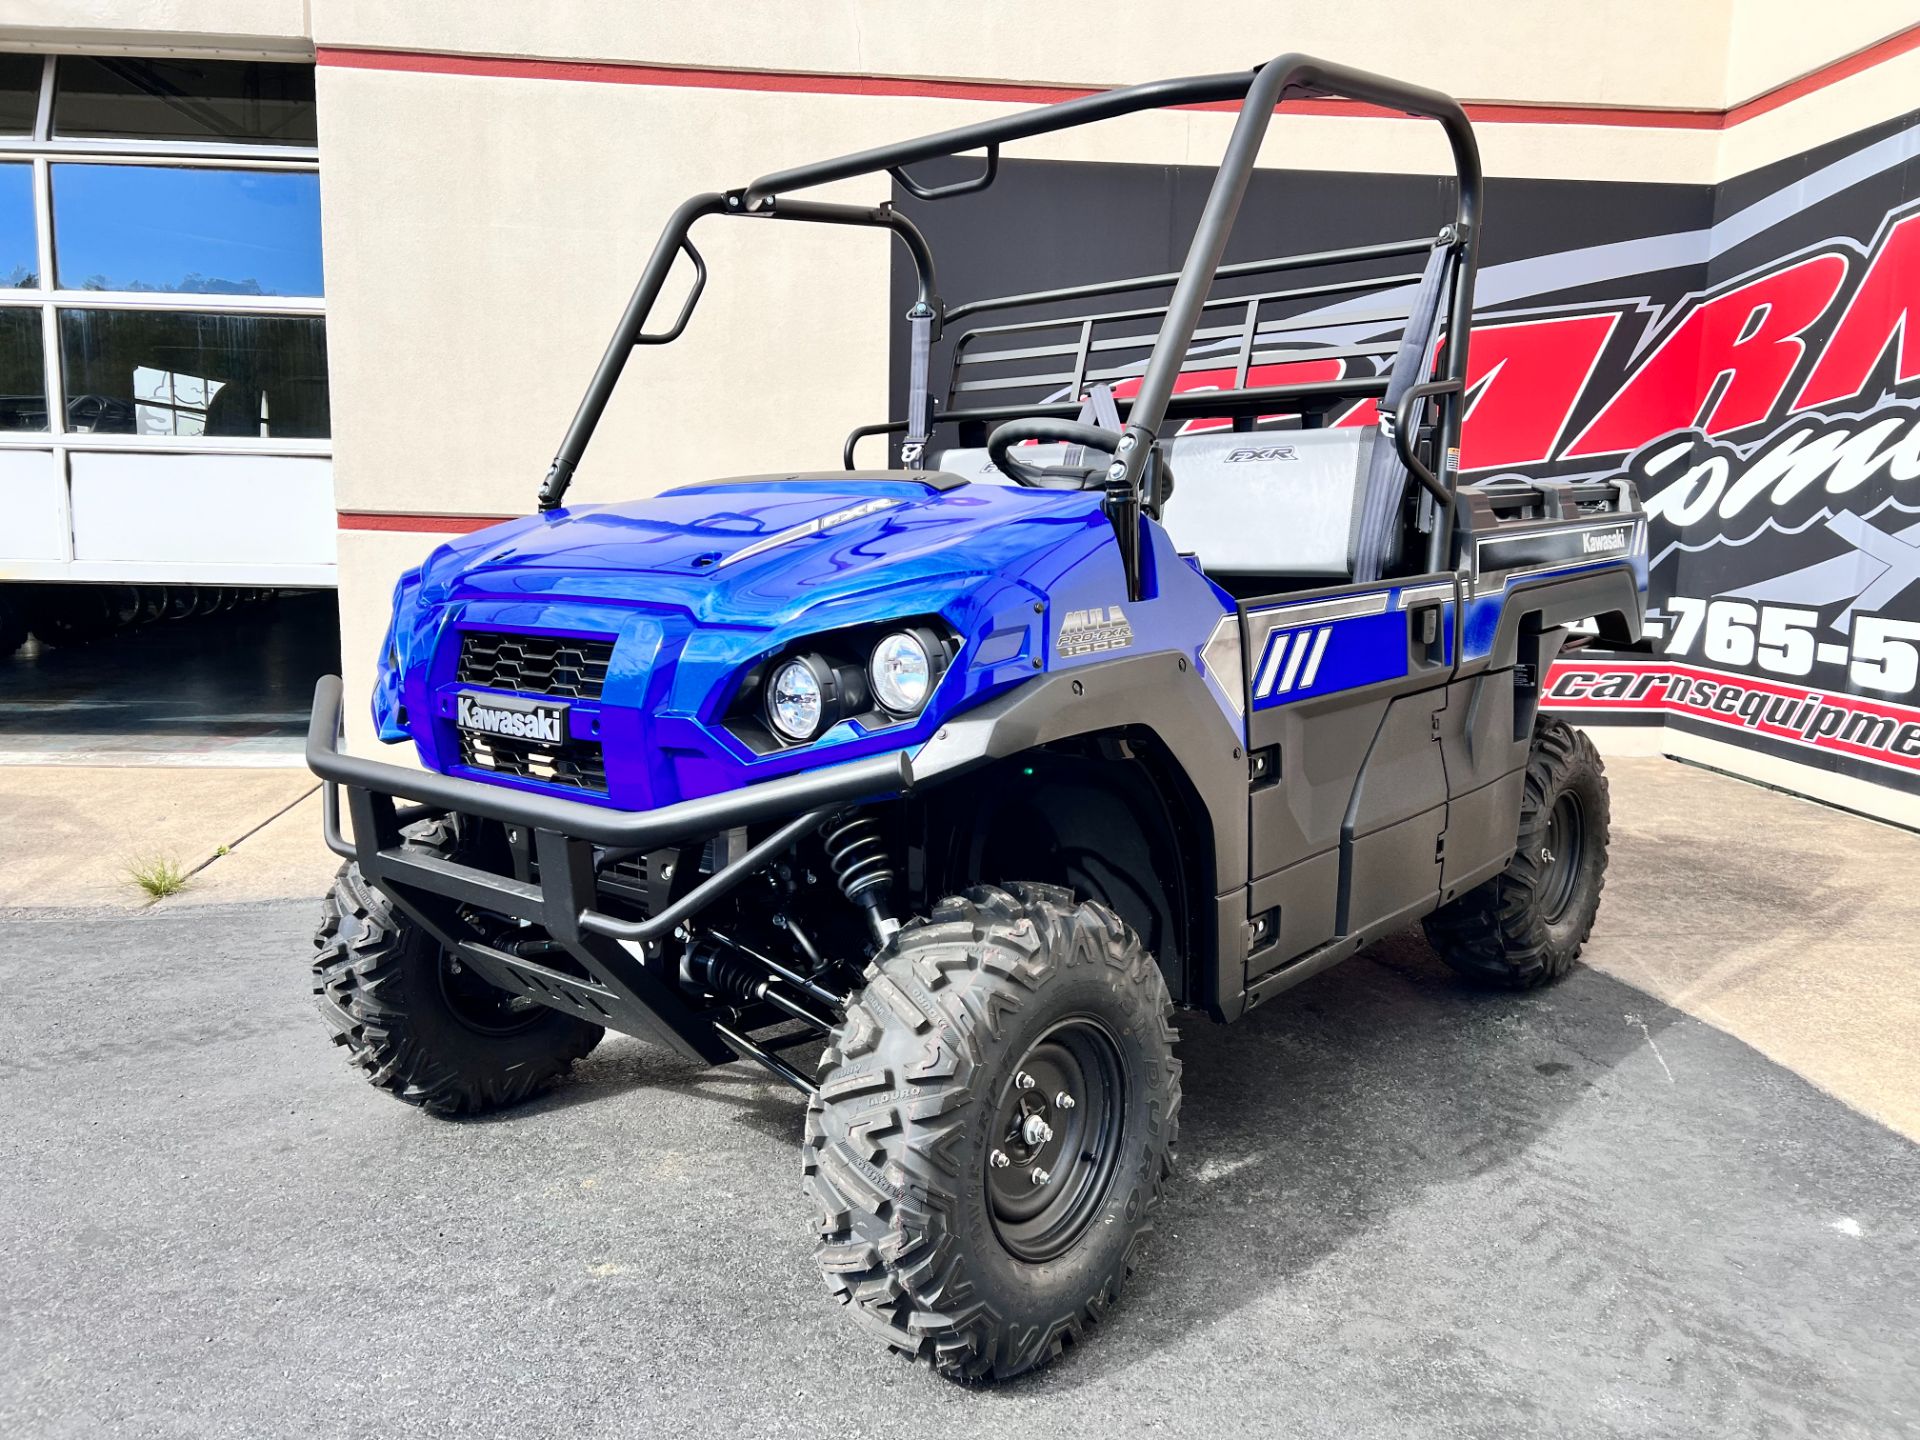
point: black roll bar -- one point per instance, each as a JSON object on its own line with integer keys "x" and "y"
{"x": 1260, "y": 90}
{"x": 1301, "y": 74}
{"x": 673, "y": 241}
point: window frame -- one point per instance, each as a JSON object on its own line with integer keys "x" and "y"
{"x": 43, "y": 152}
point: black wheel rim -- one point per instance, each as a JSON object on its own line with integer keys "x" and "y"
{"x": 483, "y": 1008}
{"x": 1561, "y": 854}
{"x": 1055, "y": 1139}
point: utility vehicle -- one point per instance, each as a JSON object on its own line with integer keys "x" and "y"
{"x": 976, "y": 767}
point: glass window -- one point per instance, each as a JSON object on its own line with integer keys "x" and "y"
{"x": 19, "y": 93}
{"x": 23, "y": 377}
{"x": 181, "y": 373}
{"x": 111, "y": 97}
{"x": 17, "y": 252}
{"x": 177, "y": 228}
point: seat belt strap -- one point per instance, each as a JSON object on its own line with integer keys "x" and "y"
{"x": 1101, "y": 409}
{"x": 1386, "y": 474}
{"x": 913, "y": 449}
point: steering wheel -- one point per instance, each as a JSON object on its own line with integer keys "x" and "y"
{"x": 1051, "y": 477}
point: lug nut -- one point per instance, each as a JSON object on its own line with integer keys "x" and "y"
{"x": 998, "y": 1159}
{"x": 1039, "y": 1176}
{"x": 1063, "y": 1100}
{"x": 1023, "y": 1081}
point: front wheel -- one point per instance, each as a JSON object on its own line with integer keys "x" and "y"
{"x": 1527, "y": 925}
{"x": 419, "y": 1025}
{"x": 993, "y": 1129}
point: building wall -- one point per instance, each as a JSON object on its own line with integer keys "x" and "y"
{"x": 149, "y": 27}
{"x": 1563, "y": 54}
{"x": 475, "y": 278}
{"x": 493, "y": 177}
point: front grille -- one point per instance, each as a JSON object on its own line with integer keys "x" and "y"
{"x": 577, "y": 764}
{"x": 536, "y": 664}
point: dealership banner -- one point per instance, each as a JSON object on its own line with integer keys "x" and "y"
{"x": 1748, "y": 353}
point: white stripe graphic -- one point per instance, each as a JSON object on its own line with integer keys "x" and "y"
{"x": 1313, "y": 660}
{"x": 1276, "y": 651}
{"x": 1293, "y": 663}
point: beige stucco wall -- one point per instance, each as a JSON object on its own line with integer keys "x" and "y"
{"x": 1596, "y": 52}
{"x": 1770, "y": 42}
{"x": 271, "y": 26}
{"x": 1833, "y": 112}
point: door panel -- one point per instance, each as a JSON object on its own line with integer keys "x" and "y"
{"x": 1486, "y": 767}
{"x": 1477, "y": 731}
{"x": 1322, "y": 668}
{"x": 1343, "y": 687}
{"x": 1403, "y": 774}
{"x": 1306, "y": 897}
{"x": 1481, "y": 826}
{"x": 1394, "y": 871}
{"x": 1317, "y": 750}
{"x": 1391, "y": 836}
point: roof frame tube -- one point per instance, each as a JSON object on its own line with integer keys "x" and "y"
{"x": 673, "y": 241}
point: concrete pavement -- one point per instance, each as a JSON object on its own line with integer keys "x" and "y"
{"x": 1652, "y": 1200}
{"x": 1405, "y": 1208}
{"x": 1791, "y": 925}
{"x": 74, "y": 834}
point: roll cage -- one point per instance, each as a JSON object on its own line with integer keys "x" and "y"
{"x": 1270, "y": 329}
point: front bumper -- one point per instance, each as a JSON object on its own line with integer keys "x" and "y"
{"x": 569, "y": 842}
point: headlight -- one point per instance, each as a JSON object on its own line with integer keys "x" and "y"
{"x": 902, "y": 672}
{"x": 796, "y": 698}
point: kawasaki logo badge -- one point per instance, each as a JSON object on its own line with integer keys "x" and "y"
{"x": 1088, "y": 632}
{"x": 1607, "y": 542}
{"x": 517, "y": 719}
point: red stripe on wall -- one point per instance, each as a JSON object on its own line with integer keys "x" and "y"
{"x": 794, "y": 82}
{"x": 1848, "y": 65}
{"x": 417, "y": 524}
{"x": 798, "y": 82}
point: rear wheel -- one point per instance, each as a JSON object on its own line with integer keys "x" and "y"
{"x": 993, "y": 1129}
{"x": 419, "y": 1025}
{"x": 1527, "y": 925}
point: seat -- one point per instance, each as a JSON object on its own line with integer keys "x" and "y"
{"x": 1270, "y": 503}
{"x": 1267, "y": 503}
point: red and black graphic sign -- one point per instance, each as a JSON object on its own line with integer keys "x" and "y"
{"x": 1749, "y": 353}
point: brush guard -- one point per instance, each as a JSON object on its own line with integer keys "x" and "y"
{"x": 627, "y": 985}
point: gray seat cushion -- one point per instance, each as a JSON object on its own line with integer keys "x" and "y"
{"x": 1278, "y": 502}
{"x": 1275, "y": 502}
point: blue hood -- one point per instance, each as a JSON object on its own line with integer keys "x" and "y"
{"x": 689, "y": 592}
{"x": 694, "y": 588}
{"x": 759, "y": 551}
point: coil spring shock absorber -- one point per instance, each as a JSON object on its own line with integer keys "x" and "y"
{"x": 857, "y": 851}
